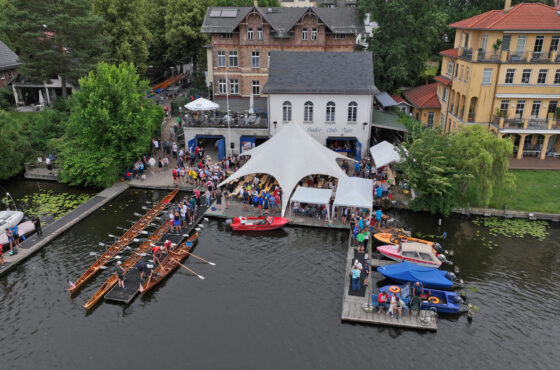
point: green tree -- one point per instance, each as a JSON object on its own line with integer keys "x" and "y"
{"x": 183, "y": 19}
{"x": 56, "y": 37}
{"x": 485, "y": 157}
{"x": 263, "y": 3}
{"x": 408, "y": 31}
{"x": 428, "y": 170}
{"x": 448, "y": 171}
{"x": 125, "y": 25}
{"x": 4, "y": 5}
{"x": 45, "y": 131}
{"x": 111, "y": 125}
{"x": 155, "y": 21}
{"x": 12, "y": 146}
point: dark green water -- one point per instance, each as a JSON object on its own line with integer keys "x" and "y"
{"x": 273, "y": 302}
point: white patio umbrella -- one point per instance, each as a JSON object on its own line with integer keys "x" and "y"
{"x": 201, "y": 104}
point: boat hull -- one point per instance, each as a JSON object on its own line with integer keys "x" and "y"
{"x": 386, "y": 238}
{"x": 391, "y": 252}
{"x": 406, "y": 272}
{"x": 257, "y": 223}
{"x": 446, "y": 300}
{"x": 122, "y": 242}
{"x": 25, "y": 228}
{"x": 169, "y": 264}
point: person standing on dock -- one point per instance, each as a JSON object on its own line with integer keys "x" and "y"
{"x": 37, "y": 223}
{"x": 120, "y": 275}
{"x": 356, "y": 273}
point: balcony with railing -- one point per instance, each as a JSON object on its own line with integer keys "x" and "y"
{"x": 221, "y": 121}
{"x": 528, "y": 124}
{"x": 508, "y": 56}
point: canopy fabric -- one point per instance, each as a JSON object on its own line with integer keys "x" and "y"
{"x": 312, "y": 195}
{"x": 201, "y": 104}
{"x": 354, "y": 192}
{"x": 289, "y": 156}
{"x": 405, "y": 272}
{"x": 384, "y": 153}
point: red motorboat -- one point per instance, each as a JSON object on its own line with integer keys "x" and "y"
{"x": 263, "y": 223}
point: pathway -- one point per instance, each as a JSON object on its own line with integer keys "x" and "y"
{"x": 54, "y": 229}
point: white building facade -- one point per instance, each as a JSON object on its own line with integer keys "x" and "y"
{"x": 330, "y": 94}
{"x": 339, "y": 121}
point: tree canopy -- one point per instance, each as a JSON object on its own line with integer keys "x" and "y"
{"x": 56, "y": 37}
{"x": 124, "y": 23}
{"x": 263, "y": 3}
{"x": 183, "y": 20}
{"x": 12, "y": 146}
{"x": 401, "y": 45}
{"x": 111, "y": 125}
{"x": 448, "y": 171}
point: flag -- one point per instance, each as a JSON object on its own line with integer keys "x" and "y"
{"x": 72, "y": 285}
{"x": 141, "y": 289}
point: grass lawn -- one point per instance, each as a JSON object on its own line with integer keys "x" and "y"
{"x": 536, "y": 191}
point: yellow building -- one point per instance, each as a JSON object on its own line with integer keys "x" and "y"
{"x": 425, "y": 105}
{"x": 504, "y": 72}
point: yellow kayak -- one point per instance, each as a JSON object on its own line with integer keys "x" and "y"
{"x": 391, "y": 238}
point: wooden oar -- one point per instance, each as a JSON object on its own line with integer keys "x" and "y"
{"x": 202, "y": 259}
{"x": 188, "y": 269}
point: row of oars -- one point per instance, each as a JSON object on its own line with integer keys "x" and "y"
{"x": 118, "y": 257}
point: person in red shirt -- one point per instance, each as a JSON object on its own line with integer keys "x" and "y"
{"x": 156, "y": 252}
{"x": 382, "y": 302}
{"x": 167, "y": 245}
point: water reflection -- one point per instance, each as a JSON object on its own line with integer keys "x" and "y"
{"x": 274, "y": 301}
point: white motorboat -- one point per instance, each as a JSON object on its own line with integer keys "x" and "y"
{"x": 9, "y": 219}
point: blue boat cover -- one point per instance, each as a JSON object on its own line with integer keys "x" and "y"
{"x": 406, "y": 271}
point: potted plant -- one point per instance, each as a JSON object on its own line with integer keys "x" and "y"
{"x": 496, "y": 46}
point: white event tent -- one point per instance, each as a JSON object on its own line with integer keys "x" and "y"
{"x": 202, "y": 104}
{"x": 384, "y": 153}
{"x": 289, "y": 156}
{"x": 313, "y": 196}
{"x": 354, "y": 192}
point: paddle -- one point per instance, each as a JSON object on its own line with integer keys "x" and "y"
{"x": 188, "y": 269}
{"x": 202, "y": 259}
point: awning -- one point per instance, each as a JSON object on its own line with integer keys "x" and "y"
{"x": 201, "y": 104}
{"x": 385, "y": 99}
{"x": 354, "y": 192}
{"x": 384, "y": 153}
{"x": 388, "y": 121}
{"x": 289, "y": 156}
{"x": 313, "y": 196}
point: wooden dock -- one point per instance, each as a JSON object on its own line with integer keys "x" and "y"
{"x": 132, "y": 278}
{"x": 353, "y": 305}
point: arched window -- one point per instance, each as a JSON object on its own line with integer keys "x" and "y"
{"x": 352, "y": 111}
{"x": 287, "y": 111}
{"x": 330, "y": 111}
{"x": 308, "y": 112}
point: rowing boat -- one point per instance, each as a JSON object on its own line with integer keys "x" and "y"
{"x": 128, "y": 264}
{"x": 169, "y": 263}
{"x": 123, "y": 241}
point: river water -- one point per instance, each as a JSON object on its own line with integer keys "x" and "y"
{"x": 274, "y": 302}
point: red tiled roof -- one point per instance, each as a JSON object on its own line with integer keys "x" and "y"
{"x": 443, "y": 80}
{"x": 424, "y": 96}
{"x": 398, "y": 99}
{"x": 453, "y": 53}
{"x": 520, "y": 17}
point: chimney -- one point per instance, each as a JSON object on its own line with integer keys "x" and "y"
{"x": 256, "y": 3}
{"x": 507, "y": 5}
